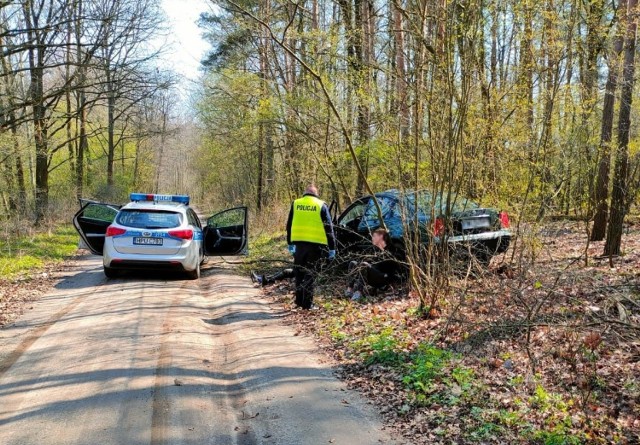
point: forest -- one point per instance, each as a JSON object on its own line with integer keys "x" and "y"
{"x": 525, "y": 106}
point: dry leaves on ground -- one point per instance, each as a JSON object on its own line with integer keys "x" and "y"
{"x": 545, "y": 349}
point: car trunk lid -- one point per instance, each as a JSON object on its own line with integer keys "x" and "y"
{"x": 474, "y": 221}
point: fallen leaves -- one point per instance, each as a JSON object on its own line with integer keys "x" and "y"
{"x": 543, "y": 337}
{"x": 17, "y": 294}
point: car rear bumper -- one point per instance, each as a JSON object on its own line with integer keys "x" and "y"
{"x": 185, "y": 262}
{"x": 146, "y": 265}
{"x": 497, "y": 241}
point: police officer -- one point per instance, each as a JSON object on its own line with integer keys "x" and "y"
{"x": 310, "y": 237}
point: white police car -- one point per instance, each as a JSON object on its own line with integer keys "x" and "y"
{"x": 158, "y": 232}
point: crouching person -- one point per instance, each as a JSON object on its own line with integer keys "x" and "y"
{"x": 381, "y": 267}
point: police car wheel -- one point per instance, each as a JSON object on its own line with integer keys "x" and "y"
{"x": 194, "y": 274}
{"x": 110, "y": 273}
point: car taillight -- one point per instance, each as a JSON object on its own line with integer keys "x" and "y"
{"x": 504, "y": 220}
{"x": 438, "y": 227}
{"x": 182, "y": 234}
{"x": 115, "y": 231}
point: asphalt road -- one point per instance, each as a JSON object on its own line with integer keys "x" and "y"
{"x": 147, "y": 360}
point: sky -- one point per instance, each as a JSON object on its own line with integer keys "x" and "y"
{"x": 187, "y": 46}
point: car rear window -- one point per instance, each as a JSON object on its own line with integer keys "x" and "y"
{"x": 149, "y": 219}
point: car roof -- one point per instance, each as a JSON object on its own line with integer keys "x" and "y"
{"x": 400, "y": 194}
{"x": 391, "y": 193}
{"x": 152, "y": 205}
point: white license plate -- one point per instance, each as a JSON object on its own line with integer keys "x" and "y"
{"x": 148, "y": 241}
{"x": 475, "y": 223}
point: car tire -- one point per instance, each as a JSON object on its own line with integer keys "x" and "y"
{"x": 110, "y": 273}
{"x": 194, "y": 274}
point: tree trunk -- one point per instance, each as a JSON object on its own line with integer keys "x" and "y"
{"x": 618, "y": 195}
{"x": 401, "y": 76}
{"x": 9, "y": 198}
{"x": 601, "y": 192}
{"x": 264, "y": 139}
{"x": 525, "y": 83}
{"x": 111, "y": 105}
{"x": 8, "y": 120}
{"x": 362, "y": 80}
{"x": 550, "y": 86}
{"x": 67, "y": 96}
{"x": 82, "y": 142}
{"x": 36, "y": 94}
{"x": 163, "y": 141}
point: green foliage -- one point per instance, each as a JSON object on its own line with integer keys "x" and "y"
{"x": 427, "y": 364}
{"x": 232, "y": 112}
{"x": 25, "y": 254}
{"x": 557, "y": 436}
{"x": 510, "y": 418}
{"x": 486, "y": 430}
{"x": 545, "y": 401}
{"x": 267, "y": 252}
{"x": 463, "y": 376}
{"x": 381, "y": 348}
{"x": 336, "y": 332}
{"x": 266, "y": 245}
{"x": 334, "y": 326}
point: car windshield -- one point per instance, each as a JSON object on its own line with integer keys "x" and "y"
{"x": 149, "y": 219}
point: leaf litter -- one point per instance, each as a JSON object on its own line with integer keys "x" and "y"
{"x": 544, "y": 349}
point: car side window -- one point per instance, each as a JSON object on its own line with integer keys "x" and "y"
{"x": 193, "y": 218}
{"x": 352, "y": 216}
{"x": 99, "y": 212}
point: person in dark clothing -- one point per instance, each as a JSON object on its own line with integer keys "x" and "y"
{"x": 311, "y": 238}
{"x": 263, "y": 279}
{"x": 382, "y": 267}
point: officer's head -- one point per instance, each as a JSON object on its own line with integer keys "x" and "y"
{"x": 311, "y": 189}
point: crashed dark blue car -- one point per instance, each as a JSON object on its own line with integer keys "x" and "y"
{"x": 466, "y": 226}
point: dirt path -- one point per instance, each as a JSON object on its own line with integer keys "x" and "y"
{"x": 142, "y": 360}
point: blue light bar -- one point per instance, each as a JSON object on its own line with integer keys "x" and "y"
{"x": 182, "y": 199}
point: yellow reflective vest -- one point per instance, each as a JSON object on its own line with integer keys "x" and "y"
{"x": 307, "y": 224}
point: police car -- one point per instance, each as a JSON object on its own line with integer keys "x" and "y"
{"x": 158, "y": 232}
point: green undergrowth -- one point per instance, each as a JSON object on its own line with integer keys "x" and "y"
{"x": 25, "y": 254}
{"x": 267, "y": 253}
{"x": 439, "y": 381}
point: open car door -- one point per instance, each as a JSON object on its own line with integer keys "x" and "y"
{"x": 92, "y": 221}
{"x": 333, "y": 211}
{"x": 226, "y": 233}
{"x": 350, "y": 238}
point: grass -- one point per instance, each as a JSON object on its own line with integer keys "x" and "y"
{"x": 267, "y": 253}
{"x": 28, "y": 253}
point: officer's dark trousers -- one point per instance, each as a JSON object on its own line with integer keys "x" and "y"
{"x": 306, "y": 263}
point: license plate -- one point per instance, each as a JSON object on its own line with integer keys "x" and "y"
{"x": 148, "y": 241}
{"x": 475, "y": 223}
